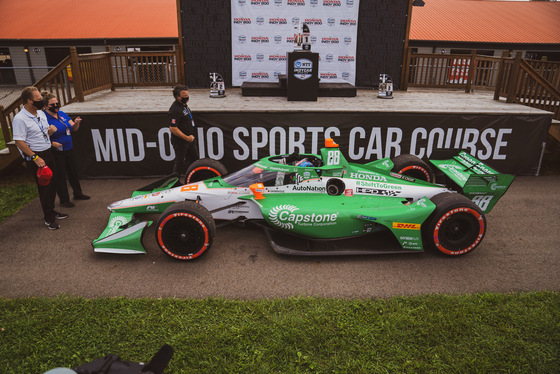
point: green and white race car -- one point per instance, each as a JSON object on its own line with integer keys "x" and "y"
{"x": 316, "y": 205}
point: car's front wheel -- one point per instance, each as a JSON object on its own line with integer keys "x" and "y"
{"x": 185, "y": 230}
{"x": 456, "y": 226}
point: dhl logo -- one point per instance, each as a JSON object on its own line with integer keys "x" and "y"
{"x": 406, "y": 226}
{"x": 189, "y": 188}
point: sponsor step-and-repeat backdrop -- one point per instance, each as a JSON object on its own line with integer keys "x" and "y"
{"x": 131, "y": 145}
{"x": 263, "y": 33}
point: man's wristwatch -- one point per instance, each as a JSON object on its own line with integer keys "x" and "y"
{"x": 34, "y": 157}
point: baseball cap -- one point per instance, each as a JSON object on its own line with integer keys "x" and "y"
{"x": 44, "y": 175}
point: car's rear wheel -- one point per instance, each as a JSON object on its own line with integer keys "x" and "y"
{"x": 204, "y": 168}
{"x": 456, "y": 226}
{"x": 185, "y": 230}
{"x": 413, "y": 166}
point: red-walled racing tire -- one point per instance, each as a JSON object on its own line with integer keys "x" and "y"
{"x": 185, "y": 230}
{"x": 414, "y": 167}
{"x": 204, "y": 168}
{"x": 456, "y": 226}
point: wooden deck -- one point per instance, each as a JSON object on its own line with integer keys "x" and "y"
{"x": 417, "y": 101}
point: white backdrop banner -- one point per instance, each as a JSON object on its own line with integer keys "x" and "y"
{"x": 263, "y": 33}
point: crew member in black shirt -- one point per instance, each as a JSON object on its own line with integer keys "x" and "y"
{"x": 181, "y": 125}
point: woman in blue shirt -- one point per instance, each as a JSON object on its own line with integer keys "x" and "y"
{"x": 62, "y": 149}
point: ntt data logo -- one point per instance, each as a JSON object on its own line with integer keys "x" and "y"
{"x": 260, "y": 57}
{"x": 243, "y": 74}
{"x": 242, "y": 21}
{"x": 241, "y": 2}
{"x": 242, "y": 39}
{"x": 349, "y": 3}
{"x": 278, "y": 39}
{"x": 313, "y": 3}
{"x": 331, "y": 21}
{"x": 313, "y": 40}
{"x": 278, "y": 2}
{"x": 260, "y": 20}
{"x": 347, "y": 40}
{"x": 329, "y": 57}
{"x": 276, "y": 57}
{"x": 345, "y": 75}
{"x": 295, "y": 20}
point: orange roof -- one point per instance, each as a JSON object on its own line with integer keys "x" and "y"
{"x": 487, "y": 21}
{"x": 88, "y": 19}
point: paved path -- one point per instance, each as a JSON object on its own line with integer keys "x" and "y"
{"x": 520, "y": 252}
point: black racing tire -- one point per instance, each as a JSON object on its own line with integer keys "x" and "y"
{"x": 204, "y": 168}
{"x": 335, "y": 187}
{"x": 185, "y": 230}
{"x": 456, "y": 226}
{"x": 414, "y": 167}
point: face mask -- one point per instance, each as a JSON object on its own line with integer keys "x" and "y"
{"x": 184, "y": 100}
{"x": 54, "y": 108}
{"x": 39, "y": 104}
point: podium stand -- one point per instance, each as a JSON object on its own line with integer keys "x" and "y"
{"x": 302, "y": 74}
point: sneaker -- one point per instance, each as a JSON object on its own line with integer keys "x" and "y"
{"x": 81, "y": 197}
{"x": 67, "y": 204}
{"x": 58, "y": 215}
{"x": 52, "y": 225}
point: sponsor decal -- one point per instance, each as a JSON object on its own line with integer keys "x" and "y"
{"x": 348, "y": 192}
{"x": 332, "y": 3}
{"x": 277, "y": 58}
{"x": 242, "y": 39}
{"x": 296, "y": 2}
{"x": 243, "y": 74}
{"x": 309, "y": 189}
{"x": 367, "y": 217}
{"x": 259, "y": 75}
{"x": 277, "y": 21}
{"x": 241, "y": 2}
{"x": 295, "y": 21}
{"x": 241, "y": 21}
{"x": 285, "y": 217}
{"x": 348, "y": 22}
{"x": 328, "y": 76}
{"x": 406, "y": 226}
{"x": 189, "y": 187}
{"x": 331, "y": 21}
{"x": 330, "y": 40}
{"x": 367, "y": 176}
{"x": 313, "y": 3}
{"x": 456, "y": 170}
{"x": 278, "y": 2}
{"x": 259, "y": 20}
{"x": 347, "y": 40}
{"x": 242, "y": 58}
{"x": 401, "y": 176}
{"x": 345, "y": 58}
{"x": 303, "y": 68}
{"x": 345, "y": 75}
{"x": 115, "y": 223}
{"x": 151, "y": 208}
{"x": 329, "y": 57}
{"x": 385, "y": 186}
{"x": 314, "y": 21}
{"x": 259, "y": 2}
{"x": 278, "y": 39}
{"x": 260, "y": 57}
{"x": 259, "y": 39}
{"x": 373, "y": 191}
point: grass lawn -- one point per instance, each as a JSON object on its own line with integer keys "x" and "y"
{"x": 482, "y": 333}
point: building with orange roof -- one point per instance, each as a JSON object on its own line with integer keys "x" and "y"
{"x": 32, "y": 43}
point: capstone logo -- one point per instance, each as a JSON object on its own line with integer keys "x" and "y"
{"x": 259, "y": 39}
{"x": 259, "y": 20}
{"x": 330, "y": 40}
{"x": 348, "y": 22}
{"x": 260, "y": 57}
{"x": 328, "y": 76}
{"x": 347, "y": 40}
{"x": 242, "y": 39}
{"x": 331, "y": 21}
{"x": 296, "y": 3}
{"x": 314, "y": 21}
{"x": 332, "y": 3}
{"x": 259, "y": 75}
{"x": 277, "y": 21}
{"x": 345, "y": 58}
{"x": 285, "y": 217}
{"x": 259, "y": 2}
{"x": 276, "y": 57}
{"x": 242, "y": 21}
{"x": 242, "y": 58}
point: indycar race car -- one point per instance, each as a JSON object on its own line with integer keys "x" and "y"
{"x": 312, "y": 204}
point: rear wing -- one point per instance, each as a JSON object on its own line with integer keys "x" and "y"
{"x": 476, "y": 180}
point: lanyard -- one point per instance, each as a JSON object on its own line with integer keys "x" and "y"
{"x": 64, "y": 123}
{"x": 41, "y": 129}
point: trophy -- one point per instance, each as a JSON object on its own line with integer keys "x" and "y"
{"x": 302, "y": 36}
{"x": 217, "y": 85}
{"x": 385, "y": 87}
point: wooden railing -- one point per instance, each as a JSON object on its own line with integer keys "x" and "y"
{"x": 80, "y": 75}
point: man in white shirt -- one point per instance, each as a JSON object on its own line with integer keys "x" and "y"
{"x": 31, "y": 134}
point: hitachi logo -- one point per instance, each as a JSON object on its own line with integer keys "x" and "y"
{"x": 368, "y": 177}
{"x": 309, "y": 189}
